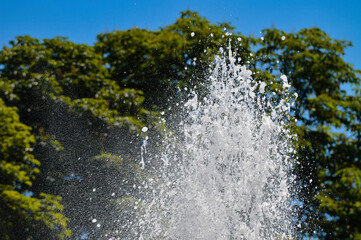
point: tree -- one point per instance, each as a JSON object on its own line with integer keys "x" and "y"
{"x": 162, "y": 62}
{"x": 76, "y": 112}
{"x": 23, "y": 214}
{"x": 328, "y": 127}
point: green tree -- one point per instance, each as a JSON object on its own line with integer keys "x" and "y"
{"x": 161, "y": 62}
{"x": 328, "y": 127}
{"x": 76, "y": 112}
{"x": 22, "y": 214}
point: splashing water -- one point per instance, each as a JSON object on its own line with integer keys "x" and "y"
{"x": 226, "y": 173}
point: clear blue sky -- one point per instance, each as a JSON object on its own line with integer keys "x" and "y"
{"x": 82, "y": 20}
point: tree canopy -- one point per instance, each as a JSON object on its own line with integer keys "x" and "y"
{"x": 73, "y": 116}
{"x": 23, "y": 214}
{"x": 329, "y": 126}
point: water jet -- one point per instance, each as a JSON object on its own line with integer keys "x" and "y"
{"x": 225, "y": 171}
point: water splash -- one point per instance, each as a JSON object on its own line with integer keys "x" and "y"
{"x": 226, "y": 173}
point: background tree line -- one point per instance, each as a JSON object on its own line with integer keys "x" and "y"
{"x": 71, "y": 120}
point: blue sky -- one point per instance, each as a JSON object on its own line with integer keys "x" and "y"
{"x": 82, "y": 20}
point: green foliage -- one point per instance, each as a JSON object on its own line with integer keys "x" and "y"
{"x": 17, "y": 164}
{"x": 328, "y": 127}
{"x": 159, "y": 62}
{"x": 63, "y": 91}
{"x": 22, "y": 214}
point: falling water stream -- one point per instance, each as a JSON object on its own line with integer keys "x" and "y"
{"x": 225, "y": 172}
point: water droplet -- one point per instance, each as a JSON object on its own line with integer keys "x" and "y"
{"x": 144, "y": 129}
{"x": 192, "y": 34}
{"x": 283, "y": 38}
